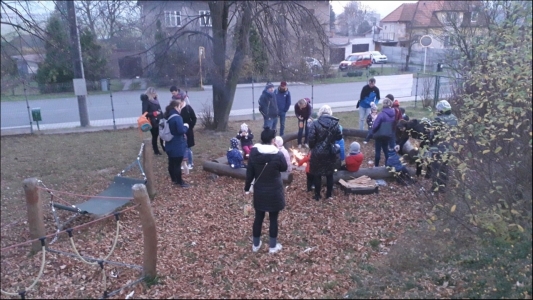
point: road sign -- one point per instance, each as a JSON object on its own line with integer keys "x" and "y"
{"x": 426, "y": 41}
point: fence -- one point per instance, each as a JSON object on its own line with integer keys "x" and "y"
{"x": 399, "y": 54}
{"x": 429, "y": 89}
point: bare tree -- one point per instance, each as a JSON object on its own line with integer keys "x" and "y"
{"x": 107, "y": 19}
{"x": 351, "y": 18}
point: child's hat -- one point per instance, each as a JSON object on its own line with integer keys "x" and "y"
{"x": 234, "y": 143}
{"x": 279, "y": 141}
{"x": 244, "y": 127}
{"x": 355, "y": 148}
{"x": 373, "y": 106}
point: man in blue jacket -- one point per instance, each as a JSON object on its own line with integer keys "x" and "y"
{"x": 369, "y": 94}
{"x": 268, "y": 107}
{"x": 283, "y": 99}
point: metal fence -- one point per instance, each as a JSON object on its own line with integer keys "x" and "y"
{"x": 429, "y": 89}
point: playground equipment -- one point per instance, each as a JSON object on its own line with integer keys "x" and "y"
{"x": 135, "y": 190}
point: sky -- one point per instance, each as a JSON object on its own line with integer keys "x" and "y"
{"x": 381, "y": 7}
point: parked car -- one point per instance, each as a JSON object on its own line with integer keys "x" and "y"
{"x": 377, "y": 57}
{"x": 358, "y": 60}
{"x": 313, "y": 64}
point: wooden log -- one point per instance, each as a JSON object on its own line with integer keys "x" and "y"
{"x": 374, "y": 173}
{"x": 148, "y": 158}
{"x": 34, "y": 212}
{"x": 140, "y": 196}
{"x": 226, "y": 170}
{"x": 345, "y": 131}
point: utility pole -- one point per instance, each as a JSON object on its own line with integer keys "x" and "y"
{"x": 80, "y": 88}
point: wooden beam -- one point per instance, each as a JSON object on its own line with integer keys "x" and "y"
{"x": 225, "y": 170}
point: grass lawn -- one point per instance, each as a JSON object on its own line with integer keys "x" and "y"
{"x": 331, "y": 249}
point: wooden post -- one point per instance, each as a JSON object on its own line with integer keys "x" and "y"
{"x": 35, "y": 212}
{"x": 140, "y": 196}
{"x": 148, "y": 158}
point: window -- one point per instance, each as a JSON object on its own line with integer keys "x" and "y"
{"x": 474, "y": 16}
{"x": 446, "y": 41}
{"x": 450, "y": 18}
{"x": 172, "y": 19}
{"x": 205, "y": 18}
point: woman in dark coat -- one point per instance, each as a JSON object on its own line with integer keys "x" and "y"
{"x": 264, "y": 166}
{"x": 385, "y": 117}
{"x": 189, "y": 117}
{"x": 151, "y": 106}
{"x": 323, "y": 133}
{"x": 175, "y": 148}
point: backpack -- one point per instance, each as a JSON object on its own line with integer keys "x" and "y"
{"x": 164, "y": 129}
{"x": 144, "y": 124}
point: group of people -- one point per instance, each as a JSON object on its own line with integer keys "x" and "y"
{"x": 181, "y": 120}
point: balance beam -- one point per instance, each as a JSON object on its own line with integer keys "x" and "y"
{"x": 223, "y": 169}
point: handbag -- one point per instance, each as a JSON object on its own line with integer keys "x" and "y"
{"x": 384, "y": 131}
{"x": 255, "y": 180}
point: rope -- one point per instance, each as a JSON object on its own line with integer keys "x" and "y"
{"x": 76, "y": 227}
{"x": 43, "y": 261}
{"x": 112, "y": 248}
{"x": 85, "y": 196}
{"x": 94, "y": 259}
{"x": 138, "y": 162}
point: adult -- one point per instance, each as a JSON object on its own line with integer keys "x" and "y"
{"x": 303, "y": 110}
{"x": 264, "y": 167}
{"x": 382, "y": 130}
{"x": 150, "y": 105}
{"x": 369, "y": 94}
{"x": 268, "y": 107}
{"x": 177, "y": 94}
{"x": 283, "y": 100}
{"x": 322, "y": 136}
{"x": 189, "y": 117}
{"x": 175, "y": 148}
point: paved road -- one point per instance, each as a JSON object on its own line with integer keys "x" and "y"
{"x": 127, "y": 103}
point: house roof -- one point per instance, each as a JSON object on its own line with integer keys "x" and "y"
{"x": 37, "y": 58}
{"x": 340, "y": 41}
{"x": 404, "y": 13}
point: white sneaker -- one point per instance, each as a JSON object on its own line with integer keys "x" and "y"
{"x": 255, "y": 249}
{"x": 306, "y": 145}
{"x": 365, "y": 142}
{"x": 275, "y": 249}
{"x": 190, "y": 167}
{"x": 299, "y": 146}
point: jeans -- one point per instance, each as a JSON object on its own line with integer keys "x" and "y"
{"x": 281, "y": 124}
{"x": 301, "y": 130}
{"x": 363, "y": 113}
{"x": 258, "y": 223}
{"x": 272, "y": 123}
{"x": 188, "y": 152}
{"x": 381, "y": 144}
{"x": 318, "y": 185}
{"x": 174, "y": 169}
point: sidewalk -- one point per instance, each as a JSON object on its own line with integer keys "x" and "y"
{"x": 121, "y": 123}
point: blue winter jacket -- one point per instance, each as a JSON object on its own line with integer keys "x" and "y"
{"x": 235, "y": 159}
{"x": 369, "y": 95}
{"x": 283, "y": 100}
{"x": 341, "y": 145}
{"x": 176, "y": 146}
{"x": 394, "y": 161}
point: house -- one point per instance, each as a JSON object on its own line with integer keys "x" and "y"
{"x": 181, "y": 18}
{"x": 410, "y": 21}
{"x": 28, "y": 64}
{"x": 342, "y": 46}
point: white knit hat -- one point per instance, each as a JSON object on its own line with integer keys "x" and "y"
{"x": 279, "y": 141}
{"x": 244, "y": 127}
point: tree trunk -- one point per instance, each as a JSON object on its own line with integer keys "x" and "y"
{"x": 224, "y": 88}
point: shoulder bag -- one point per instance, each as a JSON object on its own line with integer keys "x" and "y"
{"x": 384, "y": 131}
{"x": 255, "y": 179}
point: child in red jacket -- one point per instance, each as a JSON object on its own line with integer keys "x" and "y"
{"x": 310, "y": 177}
{"x": 355, "y": 158}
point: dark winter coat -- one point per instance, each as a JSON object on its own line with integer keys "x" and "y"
{"x": 268, "y": 188}
{"x": 245, "y": 140}
{"x": 283, "y": 100}
{"x": 268, "y": 105}
{"x": 414, "y": 129}
{"x": 323, "y": 134}
{"x": 369, "y": 95}
{"x": 177, "y": 145}
{"x": 151, "y": 107}
{"x": 387, "y": 115}
{"x": 305, "y": 113}
{"x": 189, "y": 117}
{"x": 235, "y": 159}
{"x": 394, "y": 161}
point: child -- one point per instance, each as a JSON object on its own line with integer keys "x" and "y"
{"x": 370, "y": 121}
{"x": 395, "y": 164}
{"x": 234, "y": 155}
{"x": 309, "y": 176}
{"x": 341, "y": 145}
{"x": 246, "y": 137}
{"x": 355, "y": 158}
{"x": 279, "y": 143}
{"x": 404, "y": 115}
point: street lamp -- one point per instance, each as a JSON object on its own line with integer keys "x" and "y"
{"x": 201, "y": 54}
